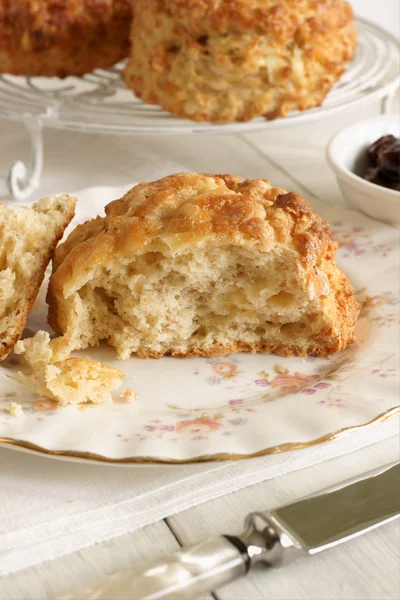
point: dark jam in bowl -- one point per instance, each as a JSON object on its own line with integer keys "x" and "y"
{"x": 384, "y": 162}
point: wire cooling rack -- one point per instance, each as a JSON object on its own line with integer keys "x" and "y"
{"x": 100, "y": 102}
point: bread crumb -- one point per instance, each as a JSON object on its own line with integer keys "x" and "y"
{"x": 36, "y": 350}
{"x": 75, "y": 381}
{"x": 281, "y": 370}
{"x": 19, "y": 347}
{"x": 40, "y": 350}
{"x": 67, "y": 381}
{"x": 15, "y": 409}
{"x": 128, "y": 395}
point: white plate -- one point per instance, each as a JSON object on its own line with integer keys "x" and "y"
{"x": 234, "y": 406}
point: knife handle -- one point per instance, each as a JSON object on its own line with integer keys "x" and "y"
{"x": 182, "y": 575}
{"x": 195, "y": 570}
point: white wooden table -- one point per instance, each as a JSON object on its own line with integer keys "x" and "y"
{"x": 364, "y": 569}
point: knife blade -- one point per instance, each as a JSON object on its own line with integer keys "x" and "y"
{"x": 274, "y": 538}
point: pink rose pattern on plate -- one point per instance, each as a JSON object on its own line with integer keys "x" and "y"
{"x": 356, "y": 241}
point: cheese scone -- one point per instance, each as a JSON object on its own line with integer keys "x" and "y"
{"x": 28, "y": 236}
{"x": 233, "y": 60}
{"x": 202, "y": 265}
{"x": 62, "y": 37}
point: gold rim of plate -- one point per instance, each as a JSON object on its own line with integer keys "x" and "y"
{"x": 89, "y": 456}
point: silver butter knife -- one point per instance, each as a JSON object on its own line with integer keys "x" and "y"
{"x": 273, "y": 538}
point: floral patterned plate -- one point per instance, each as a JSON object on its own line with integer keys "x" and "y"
{"x": 233, "y": 406}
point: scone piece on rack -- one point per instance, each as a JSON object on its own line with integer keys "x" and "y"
{"x": 233, "y": 60}
{"x": 60, "y": 38}
{"x": 201, "y": 265}
{"x": 28, "y": 236}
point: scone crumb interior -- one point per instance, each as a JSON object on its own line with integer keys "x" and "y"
{"x": 67, "y": 381}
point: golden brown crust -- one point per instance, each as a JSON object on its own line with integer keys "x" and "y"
{"x": 249, "y": 211}
{"x": 71, "y": 37}
{"x": 187, "y": 210}
{"x": 8, "y": 342}
{"x": 233, "y": 60}
{"x": 280, "y": 18}
{"x": 13, "y": 334}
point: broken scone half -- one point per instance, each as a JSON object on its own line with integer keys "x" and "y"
{"x": 28, "y": 236}
{"x": 201, "y": 265}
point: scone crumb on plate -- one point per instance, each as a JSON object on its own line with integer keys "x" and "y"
{"x": 40, "y": 350}
{"x": 67, "y": 381}
{"x": 128, "y": 395}
{"x": 36, "y": 350}
{"x": 75, "y": 381}
{"x": 15, "y": 409}
{"x": 280, "y": 369}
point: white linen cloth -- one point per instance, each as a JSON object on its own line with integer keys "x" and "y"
{"x": 50, "y": 508}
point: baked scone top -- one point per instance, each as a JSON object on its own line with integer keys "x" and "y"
{"x": 280, "y": 18}
{"x": 189, "y": 209}
{"x": 42, "y": 22}
{"x": 62, "y": 37}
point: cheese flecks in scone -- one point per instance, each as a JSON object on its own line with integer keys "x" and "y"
{"x": 233, "y": 60}
{"x": 62, "y": 37}
{"x": 66, "y": 380}
{"x": 201, "y": 265}
{"x": 28, "y": 236}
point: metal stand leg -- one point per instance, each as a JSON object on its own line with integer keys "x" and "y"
{"x": 21, "y": 182}
{"x": 385, "y": 105}
{"x": 387, "y": 101}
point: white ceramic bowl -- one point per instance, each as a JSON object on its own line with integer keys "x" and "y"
{"x": 347, "y": 158}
